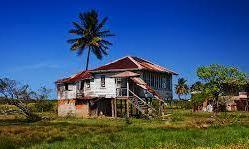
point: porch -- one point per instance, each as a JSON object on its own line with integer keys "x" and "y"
{"x": 134, "y": 98}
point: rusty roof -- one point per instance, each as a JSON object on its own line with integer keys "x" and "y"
{"x": 125, "y": 74}
{"x": 127, "y": 63}
{"x": 123, "y": 63}
{"x": 76, "y": 77}
{"x": 145, "y": 64}
{"x": 132, "y": 63}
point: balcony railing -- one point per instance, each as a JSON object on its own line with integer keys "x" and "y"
{"x": 121, "y": 92}
{"x": 243, "y": 94}
{"x": 79, "y": 95}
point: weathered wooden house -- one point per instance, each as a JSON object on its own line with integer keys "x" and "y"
{"x": 129, "y": 86}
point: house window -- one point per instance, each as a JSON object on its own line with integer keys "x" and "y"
{"x": 168, "y": 83}
{"x": 102, "y": 81}
{"x": 88, "y": 83}
{"x": 81, "y": 85}
{"x": 66, "y": 87}
{"x": 164, "y": 83}
{"x": 152, "y": 81}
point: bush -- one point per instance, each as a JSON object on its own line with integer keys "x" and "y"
{"x": 44, "y": 106}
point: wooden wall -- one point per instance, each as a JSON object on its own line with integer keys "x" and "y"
{"x": 161, "y": 82}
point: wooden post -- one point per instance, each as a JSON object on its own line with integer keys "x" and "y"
{"x": 127, "y": 107}
{"x": 131, "y": 110}
{"x": 113, "y": 112}
{"x": 161, "y": 108}
{"x": 127, "y": 87}
{"x": 115, "y": 108}
{"x": 121, "y": 106}
{"x": 147, "y": 107}
{"x": 127, "y": 102}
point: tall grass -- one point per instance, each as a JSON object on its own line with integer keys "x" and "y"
{"x": 181, "y": 132}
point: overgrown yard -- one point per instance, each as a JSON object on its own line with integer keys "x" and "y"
{"x": 182, "y": 129}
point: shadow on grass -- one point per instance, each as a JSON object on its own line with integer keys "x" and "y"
{"x": 6, "y": 122}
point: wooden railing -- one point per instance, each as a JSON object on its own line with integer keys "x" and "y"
{"x": 142, "y": 100}
{"x": 79, "y": 95}
{"x": 243, "y": 94}
{"x": 121, "y": 92}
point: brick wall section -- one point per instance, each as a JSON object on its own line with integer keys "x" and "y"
{"x": 68, "y": 108}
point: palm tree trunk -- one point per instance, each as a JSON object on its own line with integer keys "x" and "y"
{"x": 87, "y": 60}
{"x": 179, "y": 96}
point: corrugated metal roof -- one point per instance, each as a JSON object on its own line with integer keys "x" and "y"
{"x": 125, "y": 74}
{"x": 124, "y": 64}
{"x": 145, "y": 64}
{"x": 76, "y": 77}
{"x": 131, "y": 62}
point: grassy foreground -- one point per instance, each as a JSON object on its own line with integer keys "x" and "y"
{"x": 180, "y": 130}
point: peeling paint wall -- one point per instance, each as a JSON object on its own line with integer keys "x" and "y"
{"x": 66, "y": 108}
{"x": 66, "y": 94}
{"x": 109, "y": 91}
{"x": 69, "y": 108}
{"x": 82, "y": 109}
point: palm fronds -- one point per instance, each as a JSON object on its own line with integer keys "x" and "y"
{"x": 90, "y": 34}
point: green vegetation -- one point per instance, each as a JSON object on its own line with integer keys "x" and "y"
{"x": 219, "y": 80}
{"x": 181, "y": 129}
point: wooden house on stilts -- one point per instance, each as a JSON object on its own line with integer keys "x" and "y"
{"x": 129, "y": 86}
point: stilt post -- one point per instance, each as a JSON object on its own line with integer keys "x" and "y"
{"x": 127, "y": 102}
{"x": 113, "y": 112}
{"x": 115, "y": 108}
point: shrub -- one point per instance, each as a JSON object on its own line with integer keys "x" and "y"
{"x": 198, "y": 99}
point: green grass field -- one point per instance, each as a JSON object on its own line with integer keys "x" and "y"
{"x": 182, "y": 129}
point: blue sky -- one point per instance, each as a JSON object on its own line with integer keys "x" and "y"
{"x": 181, "y": 35}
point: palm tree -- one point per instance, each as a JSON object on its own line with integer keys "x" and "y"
{"x": 90, "y": 34}
{"x": 181, "y": 87}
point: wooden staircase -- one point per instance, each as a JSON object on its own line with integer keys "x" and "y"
{"x": 145, "y": 108}
{"x": 141, "y": 104}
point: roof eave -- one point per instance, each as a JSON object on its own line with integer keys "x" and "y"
{"x": 113, "y": 70}
{"x": 169, "y": 72}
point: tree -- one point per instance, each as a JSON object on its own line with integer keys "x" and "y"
{"x": 43, "y": 93}
{"x": 181, "y": 87}
{"x": 198, "y": 96}
{"x": 15, "y": 94}
{"x": 197, "y": 87}
{"x": 90, "y": 34}
{"x": 42, "y": 103}
{"x": 216, "y": 78}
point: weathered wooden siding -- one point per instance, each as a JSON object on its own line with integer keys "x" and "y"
{"x": 109, "y": 91}
{"x": 161, "y": 82}
{"x": 62, "y": 93}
